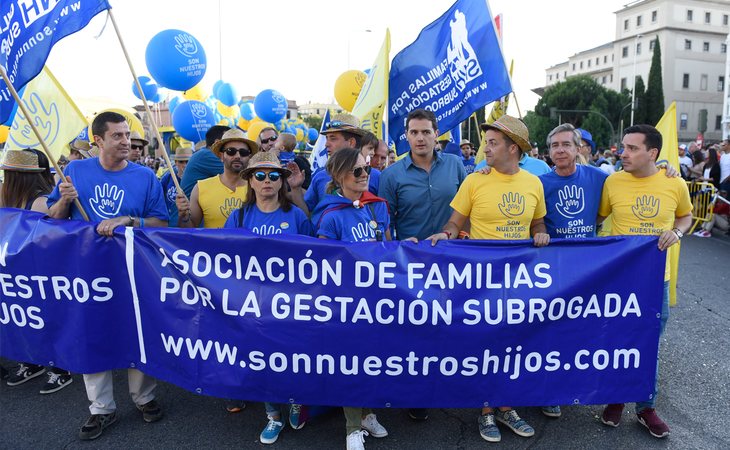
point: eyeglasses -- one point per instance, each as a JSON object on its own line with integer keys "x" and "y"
{"x": 137, "y": 147}
{"x": 357, "y": 171}
{"x": 231, "y": 151}
{"x": 266, "y": 141}
{"x": 273, "y": 176}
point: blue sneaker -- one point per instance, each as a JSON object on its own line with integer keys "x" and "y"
{"x": 552, "y": 411}
{"x": 295, "y": 417}
{"x": 488, "y": 428}
{"x": 271, "y": 432}
{"x": 515, "y": 423}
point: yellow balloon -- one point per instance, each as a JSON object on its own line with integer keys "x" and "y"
{"x": 300, "y": 134}
{"x": 132, "y": 120}
{"x": 228, "y": 111}
{"x": 255, "y": 127}
{"x": 243, "y": 124}
{"x": 4, "y": 132}
{"x": 348, "y": 87}
{"x": 195, "y": 93}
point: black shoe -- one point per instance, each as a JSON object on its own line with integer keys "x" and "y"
{"x": 151, "y": 411}
{"x": 56, "y": 382}
{"x": 95, "y": 425}
{"x": 25, "y": 372}
{"x": 419, "y": 414}
{"x": 4, "y": 374}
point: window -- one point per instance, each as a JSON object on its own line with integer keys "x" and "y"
{"x": 625, "y": 51}
{"x": 689, "y": 15}
{"x": 605, "y": 59}
{"x": 720, "y": 84}
{"x": 683, "y": 121}
{"x": 703, "y": 82}
{"x": 573, "y": 67}
{"x": 724, "y": 19}
{"x": 597, "y": 61}
{"x": 626, "y": 24}
{"x": 557, "y": 76}
{"x": 565, "y": 74}
{"x": 638, "y": 21}
{"x": 638, "y": 48}
{"x": 589, "y": 63}
{"x": 723, "y": 48}
{"x": 687, "y": 44}
{"x": 708, "y": 17}
{"x": 685, "y": 81}
{"x": 718, "y": 122}
{"x": 603, "y": 80}
{"x": 705, "y": 46}
{"x": 581, "y": 64}
{"x": 653, "y": 16}
{"x": 623, "y": 83}
{"x": 651, "y": 44}
{"x": 550, "y": 78}
{"x": 611, "y": 78}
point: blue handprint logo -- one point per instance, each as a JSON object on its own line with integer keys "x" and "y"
{"x": 45, "y": 117}
{"x": 185, "y": 44}
{"x": 107, "y": 201}
{"x": 646, "y": 207}
{"x": 571, "y": 201}
{"x": 513, "y": 204}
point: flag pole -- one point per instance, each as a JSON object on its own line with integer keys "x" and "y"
{"x": 144, "y": 102}
{"x": 514, "y": 94}
{"x": 37, "y": 133}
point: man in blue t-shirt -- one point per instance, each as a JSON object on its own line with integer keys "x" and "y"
{"x": 572, "y": 191}
{"x": 467, "y": 155}
{"x": 203, "y": 164}
{"x": 114, "y": 192}
{"x": 182, "y": 156}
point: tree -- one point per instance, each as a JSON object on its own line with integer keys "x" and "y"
{"x": 640, "y": 106}
{"x": 313, "y": 121}
{"x": 655, "y": 90}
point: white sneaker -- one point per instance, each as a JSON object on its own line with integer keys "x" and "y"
{"x": 356, "y": 440}
{"x": 371, "y": 424}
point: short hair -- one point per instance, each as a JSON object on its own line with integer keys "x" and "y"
{"x": 268, "y": 129}
{"x": 652, "y": 136}
{"x": 215, "y": 133}
{"x": 339, "y": 163}
{"x": 288, "y": 140}
{"x": 99, "y": 125}
{"x": 422, "y": 114}
{"x": 348, "y": 135}
{"x": 369, "y": 139}
{"x": 577, "y": 138}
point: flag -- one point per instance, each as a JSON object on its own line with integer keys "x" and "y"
{"x": 35, "y": 27}
{"x": 373, "y": 97}
{"x": 453, "y": 68}
{"x": 52, "y": 112}
{"x": 499, "y": 108}
{"x": 318, "y": 157}
{"x": 667, "y": 126}
{"x": 454, "y": 140}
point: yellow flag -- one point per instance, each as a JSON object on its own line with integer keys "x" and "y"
{"x": 373, "y": 97}
{"x": 499, "y": 108}
{"x": 667, "y": 126}
{"x": 53, "y": 113}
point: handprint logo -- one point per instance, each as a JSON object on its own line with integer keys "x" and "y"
{"x": 513, "y": 204}
{"x": 571, "y": 201}
{"x": 45, "y": 117}
{"x": 186, "y": 45}
{"x": 199, "y": 110}
{"x": 229, "y": 205}
{"x": 107, "y": 201}
{"x": 646, "y": 207}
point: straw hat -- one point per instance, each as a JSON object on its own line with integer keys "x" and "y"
{"x": 465, "y": 142}
{"x": 135, "y": 136}
{"x": 234, "y": 134}
{"x": 264, "y": 160}
{"x": 344, "y": 122}
{"x": 82, "y": 147}
{"x": 21, "y": 161}
{"x": 183, "y": 153}
{"x": 512, "y": 127}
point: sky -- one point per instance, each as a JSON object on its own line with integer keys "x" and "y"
{"x": 300, "y": 47}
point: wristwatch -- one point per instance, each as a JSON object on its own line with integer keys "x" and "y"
{"x": 678, "y": 232}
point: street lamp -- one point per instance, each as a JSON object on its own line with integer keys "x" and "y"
{"x": 633, "y": 88}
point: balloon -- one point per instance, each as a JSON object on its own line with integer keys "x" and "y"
{"x": 173, "y": 104}
{"x": 270, "y": 105}
{"x": 227, "y": 95}
{"x": 4, "y": 132}
{"x": 312, "y": 134}
{"x": 149, "y": 88}
{"x": 157, "y": 98}
{"x": 227, "y": 111}
{"x": 348, "y": 87}
{"x": 247, "y": 110}
{"x": 175, "y": 59}
{"x": 300, "y": 134}
{"x": 243, "y": 124}
{"x": 192, "y": 119}
{"x": 255, "y": 127}
{"x": 216, "y": 85}
{"x": 132, "y": 120}
{"x": 194, "y": 93}
{"x": 281, "y": 126}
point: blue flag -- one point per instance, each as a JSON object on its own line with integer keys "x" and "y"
{"x": 318, "y": 157}
{"x": 28, "y": 31}
{"x": 454, "y": 67}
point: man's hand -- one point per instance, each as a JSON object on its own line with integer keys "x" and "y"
{"x": 67, "y": 191}
{"x": 434, "y": 238}
{"x": 671, "y": 172}
{"x": 667, "y": 239}
{"x": 484, "y": 170}
{"x": 541, "y": 239}
{"x": 106, "y": 227}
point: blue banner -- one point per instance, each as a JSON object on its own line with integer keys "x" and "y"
{"x": 392, "y": 324}
{"x": 454, "y": 67}
{"x": 28, "y": 31}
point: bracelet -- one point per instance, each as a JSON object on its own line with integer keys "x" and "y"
{"x": 448, "y": 234}
{"x": 141, "y": 222}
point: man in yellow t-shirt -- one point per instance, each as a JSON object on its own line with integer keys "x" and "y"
{"x": 644, "y": 201}
{"x": 507, "y": 203}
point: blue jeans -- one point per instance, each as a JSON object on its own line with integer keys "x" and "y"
{"x": 640, "y": 406}
{"x": 272, "y": 410}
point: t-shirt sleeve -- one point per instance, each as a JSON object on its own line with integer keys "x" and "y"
{"x": 155, "y": 206}
{"x": 462, "y": 201}
{"x": 540, "y": 208}
{"x": 684, "y": 204}
{"x": 605, "y": 207}
{"x": 304, "y": 226}
{"x": 328, "y": 227}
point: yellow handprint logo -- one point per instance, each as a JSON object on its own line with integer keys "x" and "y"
{"x": 513, "y": 204}
{"x": 44, "y": 115}
{"x": 646, "y": 207}
{"x": 229, "y": 205}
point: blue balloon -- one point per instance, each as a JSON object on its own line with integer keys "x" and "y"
{"x": 173, "y": 104}
{"x": 270, "y": 105}
{"x": 216, "y": 85}
{"x": 227, "y": 94}
{"x": 149, "y": 88}
{"x": 175, "y": 59}
{"x": 247, "y": 110}
{"x": 192, "y": 119}
{"x": 312, "y": 134}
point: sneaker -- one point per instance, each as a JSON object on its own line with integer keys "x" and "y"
{"x": 612, "y": 414}
{"x": 488, "y": 428}
{"x": 25, "y": 372}
{"x": 296, "y": 421}
{"x": 514, "y": 423}
{"x": 419, "y": 414}
{"x": 653, "y": 423}
{"x": 373, "y": 427}
{"x": 151, "y": 411}
{"x": 552, "y": 411}
{"x": 271, "y": 432}
{"x": 95, "y": 425}
{"x": 4, "y": 374}
{"x": 56, "y": 382}
{"x": 235, "y": 406}
{"x": 356, "y": 440}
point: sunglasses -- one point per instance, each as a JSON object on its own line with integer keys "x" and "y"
{"x": 273, "y": 176}
{"x": 357, "y": 171}
{"x": 339, "y": 124}
{"x": 137, "y": 147}
{"x": 266, "y": 141}
{"x": 231, "y": 151}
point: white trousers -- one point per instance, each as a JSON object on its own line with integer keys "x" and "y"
{"x": 100, "y": 390}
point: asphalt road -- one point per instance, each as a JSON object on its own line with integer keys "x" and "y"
{"x": 694, "y": 386}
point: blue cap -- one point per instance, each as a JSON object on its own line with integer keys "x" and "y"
{"x": 588, "y": 137}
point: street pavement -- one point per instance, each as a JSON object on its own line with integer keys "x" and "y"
{"x": 694, "y": 394}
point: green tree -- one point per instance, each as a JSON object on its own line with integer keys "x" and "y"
{"x": 655, "y": 89}
{"x": 313, "y": 121}
{"x": 640, "y": 106}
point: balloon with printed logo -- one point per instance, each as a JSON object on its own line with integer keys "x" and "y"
{"x": 247, "y": 111}
{"x": 149, "y": 88}
{"x": 192, "y": 119}
{"x": 243, "y": 124}
{"x": 270, "y": 105}
{"x": 175, "y": 59}
{"x": 348, "y": 87}
{"x": 226, "y": 94}
{"x": 132, "y": 120}
{"x": 195, "y": 93}
{"x": 4, "y": 132}
{"x": 173, "y": 104}
{"x": 255, "y": 127}
{"x": 312, "y": 134}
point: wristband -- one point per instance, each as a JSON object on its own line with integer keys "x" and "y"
{"x": 448, "y": 235}
{"x": 141, "y": 222}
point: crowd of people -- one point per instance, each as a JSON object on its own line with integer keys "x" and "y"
{"x": 260, "y": 184}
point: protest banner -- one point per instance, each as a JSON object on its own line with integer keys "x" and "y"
{"x": 310, "y": 321}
